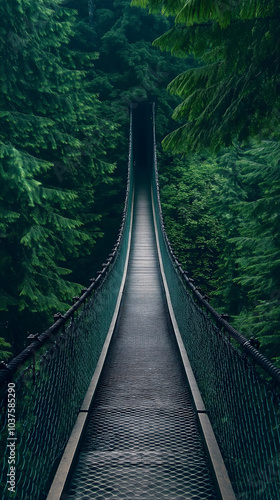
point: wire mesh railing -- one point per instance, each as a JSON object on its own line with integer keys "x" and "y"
{"x": 239, "y": 386}
{"x": 42, "y": 389}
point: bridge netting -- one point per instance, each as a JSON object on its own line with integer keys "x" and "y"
{"x": 240, "y": 387}
{"x": 51, "y": 377}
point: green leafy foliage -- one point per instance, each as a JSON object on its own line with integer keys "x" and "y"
{"x": 187, "y": 188}
{"x": 229, "y": 106}
{"x": 51, "y": 163}
{"x": 222, "y": 217}
{"x": 64, "y": 105}
{"x": 5, "y": 353}
{"x": 167, "y": 7}
{"x": 233, "y": 93}
{"x": 137, "y": 71}
{"x": 258, "y": 244}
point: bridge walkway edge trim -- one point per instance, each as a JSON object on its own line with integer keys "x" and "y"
{"x": 72, "y": 448}
{"x": 220, "y": 474}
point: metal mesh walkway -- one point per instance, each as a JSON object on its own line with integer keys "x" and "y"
{"x": 142, "y": 441}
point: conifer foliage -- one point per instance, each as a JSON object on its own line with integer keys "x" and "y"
{"x": 69, "y": 71}
{"x": 222, "y": 217}
{"x": 50, "y": 166}
{"x": 233, "y": 94}
{"x": 129, "y": 70}
{"x": 230, "y": 107}
{"x": 188, "y": 187}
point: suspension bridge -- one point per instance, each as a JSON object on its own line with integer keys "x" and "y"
{"x": 141, "y": 390}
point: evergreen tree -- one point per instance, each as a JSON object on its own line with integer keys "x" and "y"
{"x": 258, "y": 245}
{"x": 233, "y": 94}
{"x": 228, "y": 295}
{"x": 64, "y": 111}
{"x": 50, "y": 165}
{"x": 187, "y": 188}
{"x": 129, "y": 70}
{"x": 228, "y": 98}
{"x": 222, "y": 217}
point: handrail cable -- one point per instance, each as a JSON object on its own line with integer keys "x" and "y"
{"x": 244, "y": 342}
{"x": 50, "y": 378}
{"x": 240, "y": 390}
{"x": 61, "y": 319}
{"x": 52, "y": 375}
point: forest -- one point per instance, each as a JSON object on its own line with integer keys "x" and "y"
{"x": 70, "y": 69}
